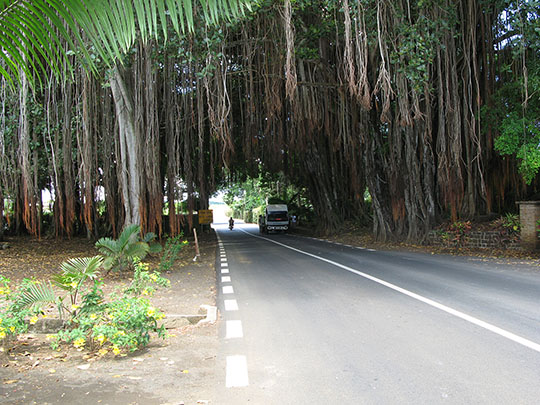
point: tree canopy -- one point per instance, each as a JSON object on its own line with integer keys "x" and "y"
{"x": 431, "y": 106}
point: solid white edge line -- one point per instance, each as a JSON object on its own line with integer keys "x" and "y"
{"x": 478, "y": 322}
{"x": 237, "y": 374}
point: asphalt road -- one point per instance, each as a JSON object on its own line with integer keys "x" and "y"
{"x": 306, "y": 321}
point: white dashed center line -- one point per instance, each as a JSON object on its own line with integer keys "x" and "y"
{"x": 227, "y": 289}
{"x": 234, "y": 330}
{"x": 230, "y": 305}
{"x": 237, "y": 375}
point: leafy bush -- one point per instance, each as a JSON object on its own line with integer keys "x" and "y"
{"x": 119, "y": 253}
{"x": 22, "y": 305}
{"x": 511, "y": 223}
{"x": 116, "y": 324}
{"x": 121, "y": 325}
{"x": 144, "y": 280}
{"x": 170, "y": 252}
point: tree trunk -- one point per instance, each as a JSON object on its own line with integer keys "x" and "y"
{"x": 128, "y": 134}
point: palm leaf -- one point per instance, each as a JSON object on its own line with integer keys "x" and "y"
{"x": 129, "y": 235}
{"x": 39, "y": 30}
{"x": 107, "y": 246}
{"x": 84, "y": 266}
{"x": 77, "y": 270}
{"x": 138, "y": 249}
{"x": 38, "y": 293}
{"x": 48, "y": 30}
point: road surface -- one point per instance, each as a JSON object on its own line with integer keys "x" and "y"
{"x": 306, "y": 321}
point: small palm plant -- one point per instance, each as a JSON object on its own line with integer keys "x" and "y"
{"x": 119, "y": 253}
{"x": 74, "y": 273}
{"x": 31, "y": 295}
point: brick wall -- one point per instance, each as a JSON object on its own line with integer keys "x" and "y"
{"x": 475, "y": 239}
{"x": 529, "y": 213}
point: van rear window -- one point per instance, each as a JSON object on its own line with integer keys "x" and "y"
{"x": 278, "y": 216}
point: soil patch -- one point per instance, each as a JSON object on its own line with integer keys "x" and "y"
{"x": 179, "y": 369}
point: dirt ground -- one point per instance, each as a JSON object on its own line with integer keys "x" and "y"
{"x": 177, "y": 370}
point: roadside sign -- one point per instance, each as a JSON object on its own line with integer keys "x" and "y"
{"x": 206, "y": 217}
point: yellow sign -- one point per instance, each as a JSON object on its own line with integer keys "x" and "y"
{"x": 206, "y": 217}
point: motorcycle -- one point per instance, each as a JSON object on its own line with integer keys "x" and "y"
{"x": 231, "y": 224}
{"x": 231, "y": 227}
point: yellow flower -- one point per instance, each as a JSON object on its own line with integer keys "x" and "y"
{"x": 2, "y": 334}
{"x": 12, "y": 329}
{"x": 103, "y": 352}
{"x": 50, "y": 337}
{"x": 120, "y": 333}
{"x": 33, "y": 320}
{"x": 75, "y": 307}
{"x": 101, "y": 339}
{"x": 160, "y": 316}
{"x": 93, "y": 316}
{"x": 79, "y": 342}
{"x": 153, "y": 277}
{"x": 145, "y": 292}
{"x": 116, "y": 350}
{"x": 151, "y": 311}
{"x": 73, "y": 284}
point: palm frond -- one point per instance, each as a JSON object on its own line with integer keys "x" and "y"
{"x": 37, "y": 35}
{"x": 77, "y": 270}
{"x": 87, "y": 266}
{"x": 129, "y": 235}
{"x": 38, "y": 293}
{"x": 107, "y": 246}
{"x": 138, "y": 249}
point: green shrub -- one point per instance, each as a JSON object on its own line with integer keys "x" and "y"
{"x": 119, "y": 253}
{"x": 123, "y": 324}
{"x": 170, "y": 252}
{"x": 511, "y": 223}
{"x": 23, "y": 306}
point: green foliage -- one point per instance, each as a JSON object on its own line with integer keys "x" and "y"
{"x": 74, "y": 273}
{"x": 520, "y": 136}
{"x": 21, "y": 307}
{"x": 170, "y": 252}
{"x": 119, "y": 325}
{"x": 511, "y": 223}
{"x": 112, "y": 324}
{"x": 119, "y": 253}
{"x": 143, "y": 280}
{"x": 111, "y": 27}
{"x": 515, "y": 107}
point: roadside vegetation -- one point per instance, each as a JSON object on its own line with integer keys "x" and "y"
{"x": 118, "y": 322}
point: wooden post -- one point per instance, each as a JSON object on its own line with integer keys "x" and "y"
{"x": 197, "y": 252}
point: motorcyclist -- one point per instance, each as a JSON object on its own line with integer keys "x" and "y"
{"x": 231, "y": 223}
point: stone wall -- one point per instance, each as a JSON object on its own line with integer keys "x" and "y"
{"x": 475, "y": 240}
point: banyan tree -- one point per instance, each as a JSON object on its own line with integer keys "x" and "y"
{"x": 398, "y": 98}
